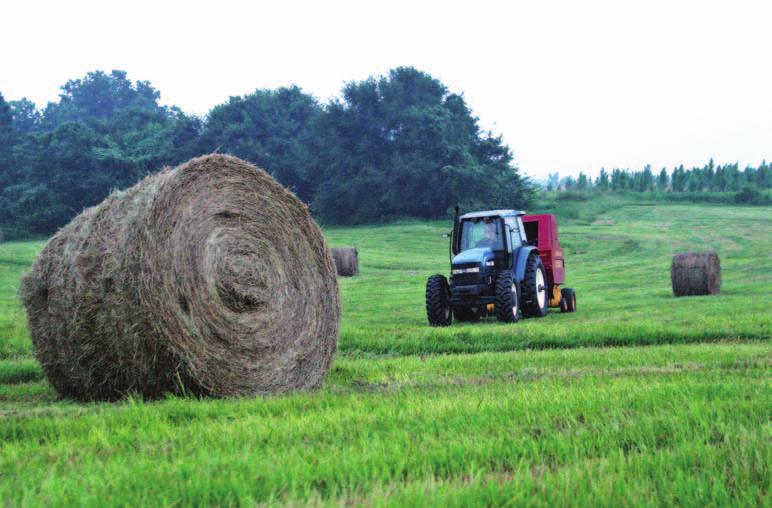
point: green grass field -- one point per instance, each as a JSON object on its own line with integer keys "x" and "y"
{"x": 637, "y": 399}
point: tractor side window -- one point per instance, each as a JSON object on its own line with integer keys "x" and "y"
{"x": 482, "y": 233}
{"x": 521, "y": 228}
{"x": 513, "y": 230}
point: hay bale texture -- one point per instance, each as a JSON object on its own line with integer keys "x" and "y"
{"x": 346, "y": 261}
{"x": 209, "y": 278}
{"x": 695, "y": 273}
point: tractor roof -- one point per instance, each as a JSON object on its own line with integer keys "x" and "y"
{"x": 492, "y": 213}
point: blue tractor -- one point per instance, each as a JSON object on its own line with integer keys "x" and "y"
{"x": 497, "y": 269}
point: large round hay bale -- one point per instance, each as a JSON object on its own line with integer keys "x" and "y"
{"x": 346, "y": 261}
{"x": 695, "y": 273}
{"x": 209, "y": 278}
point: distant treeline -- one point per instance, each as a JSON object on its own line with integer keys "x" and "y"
{"x": 390, "y": 146}
{"x": 747, "y": 184}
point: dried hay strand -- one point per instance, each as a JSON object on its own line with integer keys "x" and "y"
{"x": 209, "y": 278}
{"x": 346, "y": 261}
{"x": 695, "y": 273}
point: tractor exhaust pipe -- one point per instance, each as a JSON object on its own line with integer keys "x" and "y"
{"x": 454, "y": 237}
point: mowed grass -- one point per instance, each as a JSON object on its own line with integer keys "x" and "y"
{"x": 618, "y": 261}
{"x": 539, "y": 415}
{"x": 15, "y": 259}
{"x": 675, "y": 425}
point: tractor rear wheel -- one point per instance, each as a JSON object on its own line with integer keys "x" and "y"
{"x": 437, "y": 301}
{"x": 507, "y": 298}
{"x": 535, "y": 297}
{"x": 567, "y": 300}
{"x": 469, "y": 314}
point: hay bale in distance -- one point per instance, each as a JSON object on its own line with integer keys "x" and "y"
{"x": 346, "y": 261}
{"x": 695, "y": 273}
{"x": 209, "y": 278}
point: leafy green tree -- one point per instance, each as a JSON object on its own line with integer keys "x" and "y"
{"x": 6, "y": 134}
{"x": 553, "y": 180}
{"x": 143, "y": 141}
{"x": 98, "y": 96}
{"x": 402, "y": 145}
{"x": 105, "y": 132}
{"x": 7, "y": 139}
{"x": 269, "y": 128}
{"x": 62, "y": 177}
{"x": 26, "y": 116}
{"x": 396, "y": 145}
{"x": 750, "y": 195}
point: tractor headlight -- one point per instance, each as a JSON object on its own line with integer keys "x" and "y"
{"x": 457, "y": 271}
{"x": 490, "y": 263}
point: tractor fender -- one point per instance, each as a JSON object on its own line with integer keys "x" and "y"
{"x": 521, "y": 257}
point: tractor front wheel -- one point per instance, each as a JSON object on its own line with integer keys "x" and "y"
{"x": 437, "y": 301}
{"x": 507, "y": 298}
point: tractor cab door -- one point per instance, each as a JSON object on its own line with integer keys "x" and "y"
{"x": 515, "y": 235}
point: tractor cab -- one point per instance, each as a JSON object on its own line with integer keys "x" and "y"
{"x": 503, "y": 262}
{"x": 493, "y": 235}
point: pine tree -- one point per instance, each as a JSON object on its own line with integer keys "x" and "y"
{"x": 602, "y": 183}
{"x": 662, "y": 180}
{"x": 7, "y": 138}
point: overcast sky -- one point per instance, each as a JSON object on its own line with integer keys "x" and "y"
{"x": 570, "y": 85}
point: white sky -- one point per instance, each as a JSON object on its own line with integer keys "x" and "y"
{"x": 570, "y": 85}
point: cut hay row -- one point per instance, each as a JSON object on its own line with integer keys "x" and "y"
{"x": 209, "y": 278}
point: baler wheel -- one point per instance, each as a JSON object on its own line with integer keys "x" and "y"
{"x": 568, "y": 300}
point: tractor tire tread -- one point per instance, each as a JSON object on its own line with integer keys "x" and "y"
{"x": 504, "y": 296}
{"x": 530, "y": 300}
{"x": 437, "y": 293}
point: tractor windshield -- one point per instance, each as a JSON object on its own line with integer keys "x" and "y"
{"x": 481, "y": 233}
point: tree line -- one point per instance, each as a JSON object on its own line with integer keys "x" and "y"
{"x": 391, "y": 146}
{"x": 747, "y": 183}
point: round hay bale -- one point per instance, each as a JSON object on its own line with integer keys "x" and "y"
{"x": 209, "y": 278}
{"x": 695, "y": 273}
{"x": 346, "y": 261}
